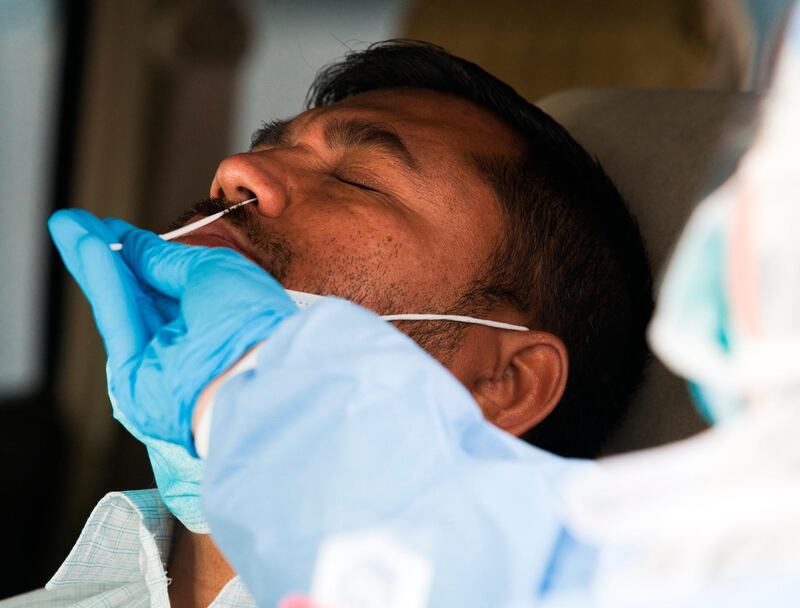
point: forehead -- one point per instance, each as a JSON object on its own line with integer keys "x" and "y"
{"x": 434, "y": 123}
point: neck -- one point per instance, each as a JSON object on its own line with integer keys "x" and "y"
{"x": 197, "y": 569}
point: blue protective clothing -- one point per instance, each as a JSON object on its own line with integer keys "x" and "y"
{"x": 344, "y": 425}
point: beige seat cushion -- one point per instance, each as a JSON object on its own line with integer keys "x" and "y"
{"x": 665, "y": 150}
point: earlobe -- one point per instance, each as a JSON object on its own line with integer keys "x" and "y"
{"x": 528, "y": 384}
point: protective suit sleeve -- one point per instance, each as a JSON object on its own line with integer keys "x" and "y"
{"x": 346, "y": 431}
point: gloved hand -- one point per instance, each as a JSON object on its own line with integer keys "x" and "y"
{"x": 172, "y": 317}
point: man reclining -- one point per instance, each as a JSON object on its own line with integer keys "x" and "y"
{"x": 415, "y": 182}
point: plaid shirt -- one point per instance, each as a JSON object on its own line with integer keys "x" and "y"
{"x": 120, "y": 560}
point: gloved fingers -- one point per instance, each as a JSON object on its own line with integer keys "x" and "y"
{"x": 67, "y": 227}
{"x": 168, "y": 307}
{"x": 154, "y": 311}
{"x": 156, "y": 308}
{"x": 212, "y": 285}
{"x": 172, "y": 267}
{"x": 114, "y": 304}
{"x": 119, "y": 228}
{"x": 163, "y": 266}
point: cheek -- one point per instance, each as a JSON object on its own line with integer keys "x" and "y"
{"x": 373, "y": 261}
{"x": 358, "y": 236}
{"x": 379, "y": 258}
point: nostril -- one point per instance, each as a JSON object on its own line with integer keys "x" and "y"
{"x": 237, "y": 195}
{"x": 216, "y": 190}
{"x": 244, "y": 195}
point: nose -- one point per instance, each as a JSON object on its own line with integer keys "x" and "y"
{"x": 249, "y": 175}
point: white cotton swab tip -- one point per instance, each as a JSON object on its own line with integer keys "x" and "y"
{"x": 174, "y": 234}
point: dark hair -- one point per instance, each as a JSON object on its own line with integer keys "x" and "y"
{"x": 572, "y": 256}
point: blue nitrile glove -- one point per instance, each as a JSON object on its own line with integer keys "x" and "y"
{"x": 177, "y": 473}
{"x": 172, "y": 317}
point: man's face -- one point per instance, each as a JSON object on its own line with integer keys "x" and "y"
{"x": 374, "y": 199}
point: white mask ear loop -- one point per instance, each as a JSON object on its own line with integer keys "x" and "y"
{"x": 174, "y": 234}
{"x": 303, "y": 300}
{"x": 456, "y": 319}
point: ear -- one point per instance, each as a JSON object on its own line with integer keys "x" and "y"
{"x": 529, "y": 378}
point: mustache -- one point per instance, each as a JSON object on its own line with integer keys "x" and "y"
{"x": 271, "y": 251}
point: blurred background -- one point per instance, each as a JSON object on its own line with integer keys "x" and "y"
{"x": 125, "y": 107}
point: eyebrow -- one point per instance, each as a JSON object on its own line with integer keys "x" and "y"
{"x": 342, "y": 133}
{"x": 272, "y": 133}
{"x": 353, "y": 133}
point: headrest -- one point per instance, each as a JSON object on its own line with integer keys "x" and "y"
{"x": 665, "y": 151}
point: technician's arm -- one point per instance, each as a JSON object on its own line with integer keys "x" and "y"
{"x": 344, "y": 427}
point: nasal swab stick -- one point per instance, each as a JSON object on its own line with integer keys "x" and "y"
{"x": 174, "y": 234}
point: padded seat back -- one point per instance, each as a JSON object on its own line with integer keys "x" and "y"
{"x": 665, "y": 150}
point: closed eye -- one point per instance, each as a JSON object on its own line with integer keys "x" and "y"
{"x": 355, "y": 184}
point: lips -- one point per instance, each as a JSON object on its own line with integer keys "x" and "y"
{"x": 218, "y": 234}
